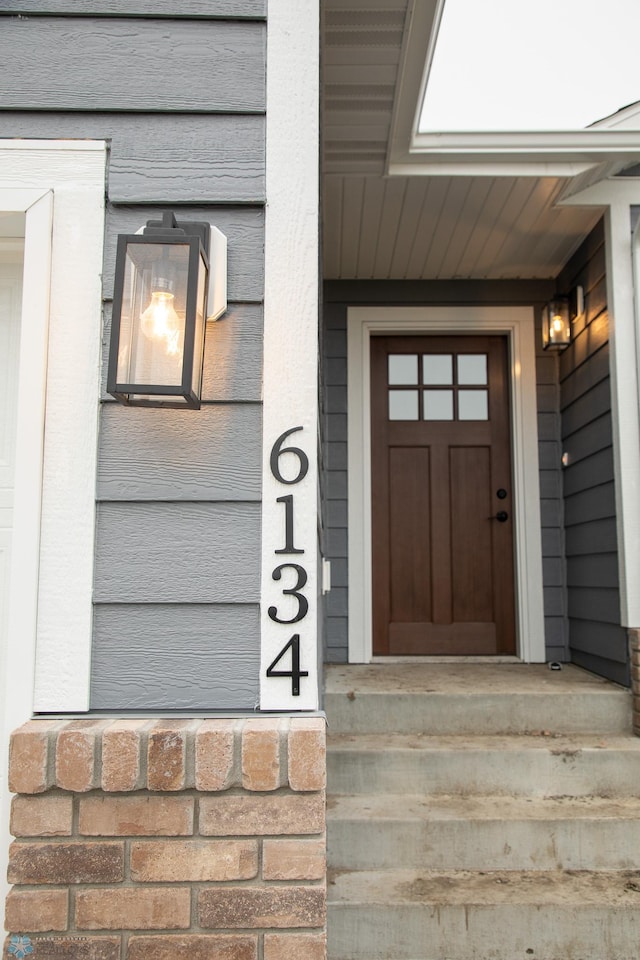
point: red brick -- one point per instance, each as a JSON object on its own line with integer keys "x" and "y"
{"x": 295, "y": 946}
{"x": 76, "y": 755}
{"x": 215, "y": 755}
{"x": 293, "y": 860}
{"x": 133, "y": 908}
{"x": 269, "y": 907}
{"x": 74, "y": 948}
{"x": 261, "y": 755}
{"x": 167, "y": 754}
{"x": 142, "y": 816}
{"x": 64, "y": 863}
{"x": 251, "y": 815}
{"x": 121, "y": 751}
{"x": 36, "y": 911}
{"x": 29, "y": 767}
{"x": 194, "y": 860}
{"x": 307, "y": 754}
{"x": 41, "y": 816}
{"x": 194, "y": 947}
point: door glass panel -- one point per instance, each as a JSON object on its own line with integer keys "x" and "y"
{"x": 472, "y": 368}
{"x": 473, "y": 405}
{"x": 403, "y": 404}
{"x": 438, "y": 404}
{"x": 403, "y": 369}
{"x": 437, "y": 369}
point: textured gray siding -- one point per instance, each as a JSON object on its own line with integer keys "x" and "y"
{"x": 219, "y": 157}
{"x": 597, "y": 640}
{"x": 203, "y": 9}
{"x": 178, "y": 91}
{"x": 337, "y": 297}
{"x": 86, "y": 63}
{"x": 191, "y": 647}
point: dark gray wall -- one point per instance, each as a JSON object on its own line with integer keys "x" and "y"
{"x": 338, "y": 295}
{"x": 597, "y": 640}
{"x": 178, "y": 91}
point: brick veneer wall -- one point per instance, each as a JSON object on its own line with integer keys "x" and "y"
{"x": 168, "y": 839}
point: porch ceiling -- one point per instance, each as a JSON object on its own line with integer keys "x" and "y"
{"x": 378, "y": 226}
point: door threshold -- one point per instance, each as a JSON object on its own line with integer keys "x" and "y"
{"x": 496, "y": 659}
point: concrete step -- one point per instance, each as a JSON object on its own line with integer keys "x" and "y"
{"x": 445, "y": 698}
{"x": 534, "y": 766}
{"x": 424, "y": 915}
{"x": 482, "y": 833}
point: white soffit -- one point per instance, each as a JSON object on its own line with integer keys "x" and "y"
{"x": 427, "y": 228}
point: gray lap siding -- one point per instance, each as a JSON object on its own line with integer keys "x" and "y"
{"x": 597, "y": 640}
{"x": 176, "y": 587}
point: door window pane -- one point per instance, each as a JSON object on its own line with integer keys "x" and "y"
{"x": 438, "y": 404}
{"x": 472, "y": 368}
{"x": 403, "y": 369}
{"x": 473, "y": 405}
{"x": 403, "y": 404}
{"x": 437, "y": 368}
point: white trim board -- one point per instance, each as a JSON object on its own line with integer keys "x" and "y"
{"x": 290, "y": 390}
{"x": 60, "y": 187}
{"x": 517, "y": 323}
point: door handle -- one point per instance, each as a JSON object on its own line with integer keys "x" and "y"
{"x": 501, "y": 516}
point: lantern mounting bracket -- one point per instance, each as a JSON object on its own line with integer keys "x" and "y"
{"x": 170, "y": 227}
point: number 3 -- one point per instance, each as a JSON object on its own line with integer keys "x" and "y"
{"x": 303, "y": 603}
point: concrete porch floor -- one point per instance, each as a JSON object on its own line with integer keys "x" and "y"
{"x": 437, "y": 676}
{"x": 475, "y": 698}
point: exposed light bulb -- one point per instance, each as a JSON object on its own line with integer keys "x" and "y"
{"x": 557, "y": 323}
{"x": 161, "y": 322}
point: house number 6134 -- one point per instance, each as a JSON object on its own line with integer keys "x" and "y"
{"x": 277, "y": 464}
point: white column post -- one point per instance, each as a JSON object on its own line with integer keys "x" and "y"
{"x": 616, "y": 197}
{"x": 290, "y": 480}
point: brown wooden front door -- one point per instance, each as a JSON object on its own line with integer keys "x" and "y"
{"x": 442, "y": 496}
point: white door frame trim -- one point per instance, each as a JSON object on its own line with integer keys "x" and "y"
{"x": 59, "y": 185}
{"x": 518, "y": 324}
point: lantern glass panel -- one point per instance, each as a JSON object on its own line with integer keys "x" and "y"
{"x": 201, "y": 315}
{"x": 152, "y": 326}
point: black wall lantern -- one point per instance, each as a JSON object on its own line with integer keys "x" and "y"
{"x": 161, "y": 302}
{"x": 556, "y": 328}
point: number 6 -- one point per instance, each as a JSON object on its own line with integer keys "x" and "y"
{"x": 277, "y": 452}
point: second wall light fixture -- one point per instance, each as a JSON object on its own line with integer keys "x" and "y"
{"x": 557, "y": 317}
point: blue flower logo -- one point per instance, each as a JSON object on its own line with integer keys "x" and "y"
{"x": 20, "y": 947}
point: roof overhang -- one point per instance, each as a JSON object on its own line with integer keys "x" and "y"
{"x": 554, "y": 154}
{"x": 402, "y": 204}
{"x": 492, "y": 153}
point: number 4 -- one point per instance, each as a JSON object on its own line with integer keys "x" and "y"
{"x": 295, "y": 673}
